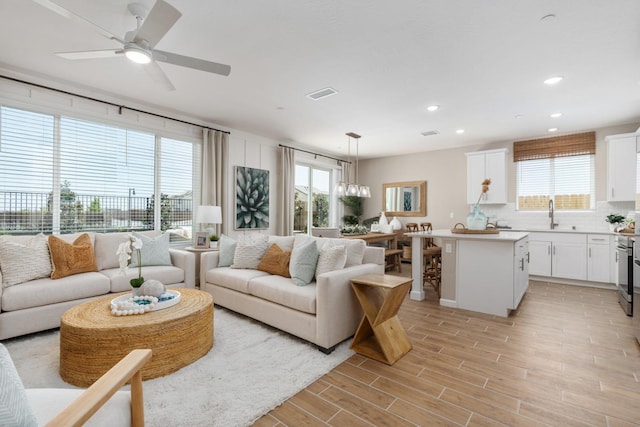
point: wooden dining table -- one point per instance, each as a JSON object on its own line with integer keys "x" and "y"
{"x": 373, "y": 237}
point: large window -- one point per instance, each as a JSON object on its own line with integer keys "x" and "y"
{"x": 61, "y": 175}
{"x": 568, "y": 181}
{"x": 312, "y": 200}
{"x": 557, "y": 168}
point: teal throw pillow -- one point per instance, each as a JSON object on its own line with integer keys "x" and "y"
{"x": 227, "y": 250}
{"x": 15, "y": 409}
{"x": 155, "y": 251}
{"x": 304, "y": 259}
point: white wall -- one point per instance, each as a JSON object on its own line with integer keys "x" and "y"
{"x": 255, "y": 152}
{"x": 445, "y": 172}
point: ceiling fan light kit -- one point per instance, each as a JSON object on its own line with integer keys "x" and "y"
{"x": 137, "y": 54}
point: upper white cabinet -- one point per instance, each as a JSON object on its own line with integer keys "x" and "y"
{"x": 621, "y": 168}
{"x": 490, "y": 164}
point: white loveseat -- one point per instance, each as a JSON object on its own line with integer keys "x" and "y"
{"x": 324, "y": 312}
{"x": 38, "y": 304}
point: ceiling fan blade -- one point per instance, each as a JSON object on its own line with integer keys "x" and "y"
{"x": 189, "y": 62}
{"x": 160, "y": 20}
{"x": 157, "y": 75}
{"x": 76, "y": 18}
{"x": 90, "y": 54}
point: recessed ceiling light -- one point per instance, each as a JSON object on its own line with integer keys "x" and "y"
{"x": 460, "y": 131}
{"x": 552, "y": 130}
{"x": 555, "y": 115}
{"x": 553, "y": 80}
{"x": 519, "y": 116}
{"x": 433, "y": 107}
{"x": 548, "y": 18}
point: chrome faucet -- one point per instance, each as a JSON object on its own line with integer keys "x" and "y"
{"x": 551, "y": 214}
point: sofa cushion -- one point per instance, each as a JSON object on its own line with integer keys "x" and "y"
{"x": 23, "y": 262}
{"x": 331, "y": 258}
{"x": 355, "y": 247}
{"x": 41, "y": 292}
{"x": 71, "y": 258}
{"x": 106, "y": 247}
{"x": 281, "y": 290}
{"x": 276, "y": 261}
{"x": 285, "y": 242}
{"x": 236, "y": 279}
{"x": 166, "y": 274}
{"x": 227, "y": 250}
{"x": 304, "y": 259}
{"x": 250, "y": 250}
{"x": 15, "y": 409}
{"x": 154, "y": 251}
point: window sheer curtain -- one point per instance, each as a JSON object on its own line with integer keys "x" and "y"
{"x": 215, "y": 147}
{"x": 287, "y": 191}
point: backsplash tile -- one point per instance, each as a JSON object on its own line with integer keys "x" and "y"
{"x": 582, "y": 221}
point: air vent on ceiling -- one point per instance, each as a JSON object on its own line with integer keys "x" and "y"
{"x": 322, "y": 93}
{"x": 429, "y": 133}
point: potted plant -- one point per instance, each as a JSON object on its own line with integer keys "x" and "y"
{"x": 214, "y": 241}
{"x": 614, "y": 221}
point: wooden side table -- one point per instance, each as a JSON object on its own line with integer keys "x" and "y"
{"x": 380, "y": 335}
{"x": 198, "y": 253}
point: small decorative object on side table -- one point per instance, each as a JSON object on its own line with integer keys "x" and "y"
{"x": 380, "y": 335}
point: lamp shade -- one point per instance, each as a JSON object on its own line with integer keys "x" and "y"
{"x": 209, "y": 215}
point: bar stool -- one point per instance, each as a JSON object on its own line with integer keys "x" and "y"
{"x": 412, "y": 227}
{"x": 432, "y": 260}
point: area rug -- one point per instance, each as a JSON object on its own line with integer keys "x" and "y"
{"x": 251, "y": 369}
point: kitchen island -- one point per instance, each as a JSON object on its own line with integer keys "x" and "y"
{"x": 488, "y": 273}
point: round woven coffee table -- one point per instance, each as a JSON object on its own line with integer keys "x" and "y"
{"x": 92, "y": 339}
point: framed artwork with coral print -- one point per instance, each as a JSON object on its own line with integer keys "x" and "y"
{"x": 252, "y": 198}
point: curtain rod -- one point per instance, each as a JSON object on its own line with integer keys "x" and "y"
{"x": 120, "y": 107}
{"x": 315, "y": 154}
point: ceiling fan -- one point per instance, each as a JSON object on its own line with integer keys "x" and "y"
{"x": 138, "y": 45}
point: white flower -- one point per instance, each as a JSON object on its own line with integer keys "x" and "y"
{"x": 125, "y": 249}
{"x": 136, "y": 242}
{"x": 124, "y": 255}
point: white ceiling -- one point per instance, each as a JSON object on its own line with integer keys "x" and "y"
{"x": 483, "y": 62}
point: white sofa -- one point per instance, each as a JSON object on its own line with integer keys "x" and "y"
{"x": 325, "y": 312}
{"x": 38, "y": 304}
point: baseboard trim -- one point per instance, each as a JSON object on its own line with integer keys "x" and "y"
{"x": 451, "y": 303}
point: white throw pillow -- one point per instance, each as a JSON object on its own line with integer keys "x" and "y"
{"x": 304, "y": 259}
{"x": 24, "y": 262}
{"x": 15, "y": 409}
{"x": 332, "y": 257}
{"x": 250, "y": 250}
{"x": 227, "y": 250}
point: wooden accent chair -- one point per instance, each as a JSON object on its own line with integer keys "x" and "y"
{"x": 75, "y": 407}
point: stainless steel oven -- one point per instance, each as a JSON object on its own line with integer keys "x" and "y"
{"x": 626, "y": 267}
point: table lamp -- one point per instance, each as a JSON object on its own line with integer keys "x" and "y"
{"x": 209, "y": 215}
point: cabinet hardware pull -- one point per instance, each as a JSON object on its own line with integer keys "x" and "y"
{"x": 522, "y": 264}
{"x": 528, "y": 257}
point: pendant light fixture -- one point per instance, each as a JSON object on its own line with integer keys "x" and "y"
{"x": 354, "y": 189}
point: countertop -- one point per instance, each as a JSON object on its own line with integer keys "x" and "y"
{"x": 504, "y": 235}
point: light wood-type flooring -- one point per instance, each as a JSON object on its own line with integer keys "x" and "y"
{"x": 566, "y": 357}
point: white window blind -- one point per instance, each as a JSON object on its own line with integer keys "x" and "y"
{"x": 26, "y": 170}
{"x": 61, "y": 174}
{"x": 568, "y": 181}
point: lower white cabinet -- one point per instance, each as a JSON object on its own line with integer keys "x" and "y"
{"x": 491, "y": 276}
{"x": 540, "y": 257}
{"x": 576, "y": 256}
{"x": 569, "y": 257}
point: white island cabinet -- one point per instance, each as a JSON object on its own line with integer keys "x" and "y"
{"x": 489, "y": 273}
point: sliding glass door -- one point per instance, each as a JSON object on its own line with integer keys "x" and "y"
{"x": 312, "y": 201}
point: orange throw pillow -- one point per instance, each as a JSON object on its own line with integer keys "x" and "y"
{"x": 275, "y": 261}
{"x": 71, "y": 258}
